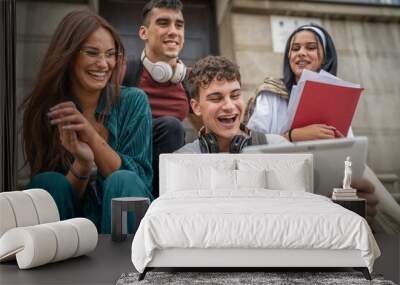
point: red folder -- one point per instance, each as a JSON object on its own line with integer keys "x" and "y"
{"x": 323, "y": 103}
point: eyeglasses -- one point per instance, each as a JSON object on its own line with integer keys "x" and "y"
{"x": 109, "y": 55}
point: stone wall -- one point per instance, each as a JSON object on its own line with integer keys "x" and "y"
{"x": 367, "y": 39}
{"x": 368, "y": 43}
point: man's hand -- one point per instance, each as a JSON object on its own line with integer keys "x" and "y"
{"x": 366, "y": 190}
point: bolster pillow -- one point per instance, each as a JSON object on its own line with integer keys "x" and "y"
{"x": 26, "y": 208}
{"x": 40, "y": 244}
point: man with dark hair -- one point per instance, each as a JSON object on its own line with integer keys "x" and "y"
{"x": 159, "y": 72}
{"x": 215, "y": 91}
{"x": 165, "y": 4}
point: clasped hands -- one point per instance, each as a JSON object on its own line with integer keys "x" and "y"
{"x": 75, "y": 131}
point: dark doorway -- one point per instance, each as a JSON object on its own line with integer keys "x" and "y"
{"x": 8, "y": 134}
{"x": 200, "y": 26}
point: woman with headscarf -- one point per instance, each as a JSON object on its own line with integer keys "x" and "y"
{"x": 311, "y": 47}
{"x": 87, "y": 139}
{"x": 308, "y": 47}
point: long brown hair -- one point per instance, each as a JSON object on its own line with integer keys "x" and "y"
{"x": 43, "y": 150}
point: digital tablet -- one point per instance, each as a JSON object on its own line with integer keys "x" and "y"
{"x": 329, "y": 156}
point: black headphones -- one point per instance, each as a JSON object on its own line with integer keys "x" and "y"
{"x": 209, "y": 143}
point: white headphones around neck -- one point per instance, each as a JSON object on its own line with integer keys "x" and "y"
{"x": 162, "y": 72}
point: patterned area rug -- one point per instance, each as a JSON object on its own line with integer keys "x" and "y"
{"x": 273, "y": 278}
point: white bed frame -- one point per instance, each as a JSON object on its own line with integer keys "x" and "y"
{"x": 250, "y": 258}
{"x": 234, "y": 257}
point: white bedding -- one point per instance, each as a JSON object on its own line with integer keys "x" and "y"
{"x": 252, "y": 218}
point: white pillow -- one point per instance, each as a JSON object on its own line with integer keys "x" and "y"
{"x": 226, "y": 179}
{"x": 7, "y": 217}
{"x": 188, "y": 177}
{"x": 283, "y": 174}
{"x": 251, "y": 178}
{"x": 26, "y": 208}
{"x": 223, "y": 179}
{"x": 40, "y": 244}
{"x": 287, "y": 179}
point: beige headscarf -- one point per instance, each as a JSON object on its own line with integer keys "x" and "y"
{"x": 273, "y": 85}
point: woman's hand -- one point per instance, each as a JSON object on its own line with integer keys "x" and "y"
{"x": 80, "y": 150}
{"x": 83, "y": 140}
{"x": 84, "y": 158}
{"x": 65, "y": 115}
{"x": 69, "y": 118}
{"x": 315, "y": 132}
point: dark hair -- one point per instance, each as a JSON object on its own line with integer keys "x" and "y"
{"x": 167, "y": 4}
{"x": 329, "y": 63}
{"x": 41, "y": 142}
{"x": 209, "y": 68}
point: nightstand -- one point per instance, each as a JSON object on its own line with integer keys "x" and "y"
{"x": 358, "y": 206}
{"x": 120, "y": 207}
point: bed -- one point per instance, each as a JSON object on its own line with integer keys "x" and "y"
{"x": 247, "y": 210}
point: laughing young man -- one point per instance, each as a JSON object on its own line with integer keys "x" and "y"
{"x": 216, "y": 97}
{"x": 215, "y": 91}
{"x": 158, "y": 71}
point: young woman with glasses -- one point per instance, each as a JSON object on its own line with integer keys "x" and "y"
{"x": 86, "y": 139}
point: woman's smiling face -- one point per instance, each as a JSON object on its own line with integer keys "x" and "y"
{"x": 95, "y": 62}
{"x": 305, "y": 53}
